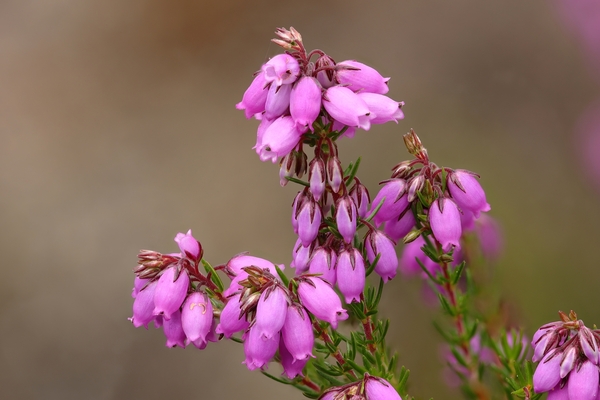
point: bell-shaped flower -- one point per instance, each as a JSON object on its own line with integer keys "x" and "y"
{"x": 316, "y": 177}
{"x": 583, "y": 382}
{"x": 143, "y": 306}
{"x": 397, "y": 228}
{"x": 279, "y": 139}
{"x": 297, "y": 333}
{"x": 444, "y": 219}
{"x": 300, "y": 257}
{"x": 321, "y": 300}
{"x": 360, "y": 195}
{"x": 197, "y": 318}
{"x": 278, "y": 101}
{"x": 305, "y": 102}
{"x": 297, "y": 204}
{"x": 345, "y": 106}
{"x": 559, "y": 393}
{"x": 361, "y": 77}
{"x": 189, "y": 245}
{"x": 232, "y": 319}
{"x": 547, "y": 373}
{"x": 259, "y": 351}
{"x": 309, "y": 221}
{"x": 291, "y": 367}
{"x": 378, "y": 243}
{"x": 173, "y": 331}
{"x": 335, "y": 173}
{"x": 260, "y": 133}
{"x": 384, "y": 108}
{"x": 588, "y": 344}
{"x": 255, "y": 97}
{"x": 379, "y": 389}
{"x": 467, "y": 192}
{"x": 323, "y": 262}
{"x": 138, "y": 284}
{"x": 270, "y": 312}
{"x": 170, "y": 292}
{"x": 236, "y": 264}
{"x": 350, "y": 274}
{"x": 325, "y": 67}
{"x": 394, "y": 193}
{"x": 281, "y": 69}
{"x": 345, "y": 218}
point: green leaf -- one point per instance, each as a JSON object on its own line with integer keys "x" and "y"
{"x": 458, "y": 272}
{"x": 298, "y": 181}
{"x": 285, "y": 381}
{"x": 282, "y": 276}
{"x": 450, "y": 310}
{"x": 353, "y": 171}
{"x": 214, "y": 277}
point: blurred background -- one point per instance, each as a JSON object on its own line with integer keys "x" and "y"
{"x": 119, "y": 130}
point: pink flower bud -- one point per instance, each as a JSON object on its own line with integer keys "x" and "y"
{"x": 143, "y": 306}
{"x": 309, "y": 221}
{"x": 232, "y": 319}
{"x": 379, "y": 389}
{"x": 588, "y": 344}
{"x": 197, "y": 318}
{"x": 360, "y": 195}
{"x": 361, "y": 77}
{"x": 568, "y": 361}
{"x": 382, "y": 107}
{"x": 300, "y": 257}
{"x": 188, "y": 245}
{"x": 305, "y": 103}
{"x": 278, "y": 101}
{"x": 397, "y": 228}
{"x": 378, "y": 243}
{"x": 350, "y": 273}
{"x": 291, "y": 367}
{"x": 255, "y": 97}
{"x": 281, "y": 69}
{"x": 547, "y": 374}
{"x": 297, "y": 333}
{"x": 298, "y": 203}
{"x": 444, "y": 219}
{"x": 335, "y": 174}
{"x": 345, "y": 218}
{"x": 170, "y": 292}
{"x": 395, "y": 201}
{"x": 583, "y": 382}
{"x": 345, "y": 106}
{"x": 279, "y": 139}
{"x": 467, "y": 192}
{"x": 323, "y": 262}
{"x": 259, "y": 351}
{"x": 173, "y": 330}
{"x": 321, "y": 300}
{"x": 243, "y": 260}
{"x": 326, "y": 75}
{"x": 270, "y": 312}
{"x": 316, "y": 177}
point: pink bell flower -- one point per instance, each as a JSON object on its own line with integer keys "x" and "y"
{"x": 583, "y": 382}
{"x": 197, "y": 318}
{"x": 281, "y": 69}
{"x": 335, "y": 173}
{"x": 170, "y": 292}
{"x": 259, "y": 351}
{"x": 323, "y": 262}
{"x": 345, "y": 218}
{"x": 297, "y": 333}
{"x": 309, "y": 221}
{"x": 384, "y": 108}
{"x": 547, "y": 373}
{"x": 559, "y": 393}
{"x": 232, "y": 319}
{"x": 345, "y": 106}
{"x": 278, "y": 101}
{"x": 396, "y": 201}
{"x": 173, "y": 330}
{"x": 444, "y": 219}
{"x": 143, "y": 306}
{"x": 397, "y": 228}
{"x": 189, "y": 245}
{"x": 321, "y": 300}
{"x": 379, "y": 389}
{"x": 350, "y": 274}
{"x": 300, "y": 257}
{"x": 279, "y": 139}
{"x": 291, "y": 367}
{"x": 316, "y": 177}
{"x": 270, "y": 312}
{"x": 378, "y": 243}
{"x": 255, "y": 97}
{"x": 361, "y": 77}
{"x": 467, "y": 192}
{"x": 305, "y": 103}
{"x": 360, "y": 195}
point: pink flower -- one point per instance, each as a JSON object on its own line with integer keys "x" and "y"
{"x": 408, "y": 260}
{"x": 232, "y": 319}
{"x": 379, "y": 389}
{"x": 394, "y": 192}
{"x": 316, "y": 177}
{"x": 281, "y": 69}
{"x": 350, "y": 274}
{"x": 360, "y": 195}
{"x": 321, "y": 300}
{"x": 189, "y": 246}
{"x": 346, "y": 107}
{"x": 397, "y": 228}
{"x": 143, "y": 306}
{"x": 259, "y": 351}
{"x": 255, "y": 97}
{"x": 361, "y": 77}
{"x": 279, "y": 139}
{"x": 305, "y": 103}
{"x": 270, "y": 312}
{"x": 444, "y": 219}
{"x": 278, "y": 101}
{"x": 309, "y": 221}
{"x": 378, "y": 243}
{"x": 173, "y": 330}
{"x": 297, "y": 333}
{"x": 382, "y": 107}
{"x": 467, "y": 192}
{"x": 547, "y": 373}
{"x": 323, "y": 262}
{"x": 170, "y": 292}
{"x": 583, "y": 382}
{"x": 345, "y": 218}
{"x": 301, "y": 256}
{"x": 291, "y": 367}
{"x": 197, "y": 318}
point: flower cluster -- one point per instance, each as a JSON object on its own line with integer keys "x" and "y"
{"x": 369, "y": 388}
{"x": 291, "y": 95}
{"x": 167, "y": 291}
{"x": 569, "y": 357}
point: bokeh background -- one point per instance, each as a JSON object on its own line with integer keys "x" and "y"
{"x": 119, "y": 130}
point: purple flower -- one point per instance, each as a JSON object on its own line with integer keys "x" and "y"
{"x": 301, "y": 257}
{"x": 173, "y": 330}
{"x": 316, "y": 177}
{"x": 360, "y": 195}
{"x": 232, "y": 319}
{"x": 305, "y": 102}
{"x": 278, "y": 101}
{"x": 325, "y": 66}
{"x": 297, "y": 333}
{"x": 547, "y": 373}
{"x": 255, "y": 97}
{"x": 378, "y": 243}
{"x": 379, "y": 389}
{"x": 394, "y": 192}
{"x": 243, "y": 260}
{"x": 345, "y": 218}
{"x": 335, "y": 174}
{"x": 279, "y": 139}
{"x": 350, "y": 274}
{"x": 270, "y": 312}
{"x": 346, "y": 107}
{"x": 323, "y": 262}
{"x": 361, "y": 77}
{"x": 138, "y": 284}
{"x": 397, "y": 228}
{"x": 291, "y": 368}
{"x": 197, "y": 318}
{"x": 444, "y": 219}
{"x": 408, "y": 260}
{"x": 143, "y": 306}
{"x": 382, "y": 107}
{"x": 259, "y": 351}
{"x": 189, "y": 245}
{"x": 467, "y": 192}
{"x": 559, "y": 393}
{"x": 583, "y": 382}
{"x": 170, "y": 292}
{"x": 321, "y": 300}
{"x": 281, "y": 69}
{"x": 309, "y": 221}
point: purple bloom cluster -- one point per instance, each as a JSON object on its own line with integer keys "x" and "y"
{"x": 369, "y": 388}
{"x": 166, "y": 293}
{"x": 291, "y": 95}
{"x": 568, "y": 354}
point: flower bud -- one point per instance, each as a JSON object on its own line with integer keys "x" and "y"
{"x": 378, "y": 243}
{"x": 547, "y": 374}
{"x": 305, "y": 103}
{"x": 395, "y": 202}
{"x": 326, "y": 75}
{"x": 197, "y": 318}
{"x": 345, "y": 218}
{"x": 170, "y": 292}
{"x": 444, "y": 219}
{"x": 297, "y": 333}
{"x": 321, "y": 300}
{"x": 397, "y": 228}
{"x": 382, "y": 107}
{"x": 379, "y": 389}
{"x": 360, "y": 76}
{"x": 309, "y": 221}
{"x": 143, "y": 306}
{"x": 316, "y": 177}
{"x": 279, "y": 139}
{"x": 335, "y": 173}
{"x": 301, "y": 257}
{"x": 323, "y": 262}
{"x": 360, "y": 195}
{"x": 291, "y": 367}
{"x": 189, "y": 246}
{"x": 350, "y": 274}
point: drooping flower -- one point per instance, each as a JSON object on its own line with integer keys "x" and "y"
{"x": 279, "y": 139}
{"x": 346, "y": 107}
{"x": 350, "y": 274}
{"x": 321, "y": 300}
{"x": 444, "y": 219}
{"x": 271, "y": 312}
{"x": 232, "y": 319}
{"x": 281, "y": 69}
{"x": 170, "y": 292}
{"x": 197, "y": 318}
{"x": 345, "y": 218}
{"x": 305, "y": 103}
{"x": 378, "y": 243}
{"x": 379, "y": 389}
{"x": 359, "y": 76}
{"x": 297, "y": 333}
{"x": 467, "y": 192}
{"x": 255, "y": 97}
{"x": 259, "y": 351}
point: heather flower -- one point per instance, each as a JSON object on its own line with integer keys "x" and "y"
{"x": 259, "y": 351}
{"x": 360, "y": 195}
{"x": 378, "y": 243}
{"x": 138, "y": 284}
{"x": 444, "y": 219}
{"x": 281, "y": 69}
{"x": 309, "y": 221}
{"x": 278, "y": 101}
{"x": 335, "y": 174}
{"x": 361, "y": 77}
{"x": 559, "y": 393}
{"x": 323, "y": 262}
{"x": 170, "y": 292}
{"x": 397, "y": 228}
{"x": 305, "y": 102}
{"x": 321, "y": 300}
{"x": 350, "y": 274}
{"x": 197, "y": 318}
{"x": 143, "y": 306}
{"x": 393, "y": 191}
{"x": 301, "y": 257}
{"x": 467, "y": 192}
{"x": 232, "y": 319}
{"x": 547, "y": 373}
{"x": 583, "y": 382}
{"x": 379, "y": 389}
{"x": 345, "y": 106}
{"x": 345, "y": 218}
{"x": 316, "y": 177}
{"x": 173, "y": 330}
{"x": 255, "y": 97}
{"x": 279, "y": 139}
{"x": 270, "y": 312}
{"x": 236, "y": 263}
{"x": 382, "y": 107}
{"x": 291, "y": 367}
{"x": 189, "y": 245}
{"x": 297, "y": 333}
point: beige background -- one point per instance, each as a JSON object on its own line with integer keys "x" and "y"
{"x": 119, "y": 130}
